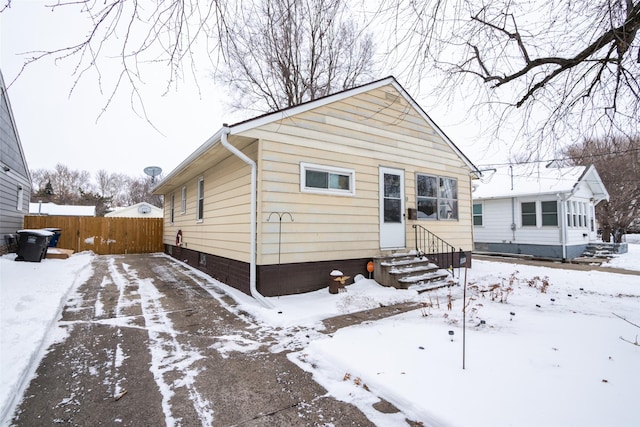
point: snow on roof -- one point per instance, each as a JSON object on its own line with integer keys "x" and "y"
{"x": 139, "y": 210}
{"x": 525, "y": 180}
{"x": 68, "y": 210}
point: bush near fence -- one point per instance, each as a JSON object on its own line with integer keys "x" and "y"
{"x": 103, "y": 236}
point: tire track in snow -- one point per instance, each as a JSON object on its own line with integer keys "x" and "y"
{"x": 169, "y": 358}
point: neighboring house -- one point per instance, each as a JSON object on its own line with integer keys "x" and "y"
{"x": 15, "y": 179}
{"x": 51, "y": 208}
{"x": 139, "y": 210}
{"x": 273, "y": 204}
{"x": 539, "y": 211}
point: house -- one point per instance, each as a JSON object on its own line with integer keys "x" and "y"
{"x": 538, "y": 211}
{"x": 15, "y": 179}
{"x": 51, "y": 208}
{"x": 273, "y": 204}
{"x": 139, "y": 210}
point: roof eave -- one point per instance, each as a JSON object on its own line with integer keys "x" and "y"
{"x": 166, "y": 181}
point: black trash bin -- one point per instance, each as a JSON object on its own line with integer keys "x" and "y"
{"x": 32, "y": 245}
{"x": 53, "y": 241}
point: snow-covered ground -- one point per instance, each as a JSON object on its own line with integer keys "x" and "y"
{"x": 542, "y": 346}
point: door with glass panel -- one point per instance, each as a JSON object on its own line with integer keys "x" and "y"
{"x": 392, "y": 218}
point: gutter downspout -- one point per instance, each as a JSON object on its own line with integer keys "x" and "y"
{"x": 254, "y": 178}
{"x": 563, "y": 226}
{"x": 513, "y": 209}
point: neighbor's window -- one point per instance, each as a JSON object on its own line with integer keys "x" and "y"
{"x": 327, "y": 179}
{"x": 171, "y": 207}
{"x": 574, "y": 211}
{"x": 477, "y": 214}
{"x": 200, "y": 210}
{"x": 584, "y": 214}
{"x": 549, "y": 213}
{"x": 528, "y": 214}
{"x": 183, "y": 202}
{"x": 437, "y": 197}
{"x": 569, "y": 215}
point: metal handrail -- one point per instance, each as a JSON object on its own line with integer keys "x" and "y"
{"x": 434, "y": 248}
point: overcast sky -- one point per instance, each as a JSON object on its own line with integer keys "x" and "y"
{"x": 56, "y": 127}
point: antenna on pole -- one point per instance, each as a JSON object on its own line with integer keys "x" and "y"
{"x": 153, "y": 171}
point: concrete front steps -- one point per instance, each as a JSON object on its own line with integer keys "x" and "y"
{"x": 600, "y": 252}
{"x": 408, "y": 271}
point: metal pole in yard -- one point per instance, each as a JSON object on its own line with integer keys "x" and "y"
{"x": 463, "y": 258}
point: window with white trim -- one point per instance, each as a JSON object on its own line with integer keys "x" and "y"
{"x": 549, "y": 212}
{"x": 183, "y": 201}
{"x": 528, "y": 212}
{"x": 200, "y": 207}
{"x": 437, "y": 197}
{"x": 171, "y": 207}
{"x": 477, "y": 214}
{"x": 327, "y": 179}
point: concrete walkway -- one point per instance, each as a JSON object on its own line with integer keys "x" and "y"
{"x": 554, "y": 264}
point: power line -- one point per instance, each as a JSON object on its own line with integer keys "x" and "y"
{"x": 561, "y": 159}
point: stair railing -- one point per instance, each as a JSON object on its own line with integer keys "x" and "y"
{"x": 434, "y": 248}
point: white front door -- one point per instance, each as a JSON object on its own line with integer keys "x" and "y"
{"x": 392, "y": 219}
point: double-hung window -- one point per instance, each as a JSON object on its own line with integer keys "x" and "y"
{"x": 477, "y": 214}
{"x": 171, "y": 207}
{"x": 183, "y": 201}
{"x": 327, "y": 180}
{"x": 549, "y": 213}
{"x": 528, "y": 211}
{"x": 200, "y": 207}
{"x": 437, "y": 197}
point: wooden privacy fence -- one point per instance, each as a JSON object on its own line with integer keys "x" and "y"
{"x": 103, "y": 236}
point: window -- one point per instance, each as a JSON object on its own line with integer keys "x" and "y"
{"x": 528, "y": 214}
{"x": 574, "y": 212}
{"x": 200, "y": 209}
{"x": 569, "y": 215}
{"x": 437, "y": 197}
{"x": 549, "y": 213}
{"x": 327, "y": 179}
{"x": 183, "y": 202}
{"x": 171, "y": 208}
{"x": 20, "y": 197}
{"x": 583, "y": 212}
{"x": 477, "y": 214}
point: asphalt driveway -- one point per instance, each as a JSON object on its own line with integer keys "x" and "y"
{"x": 141, "y": 346}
